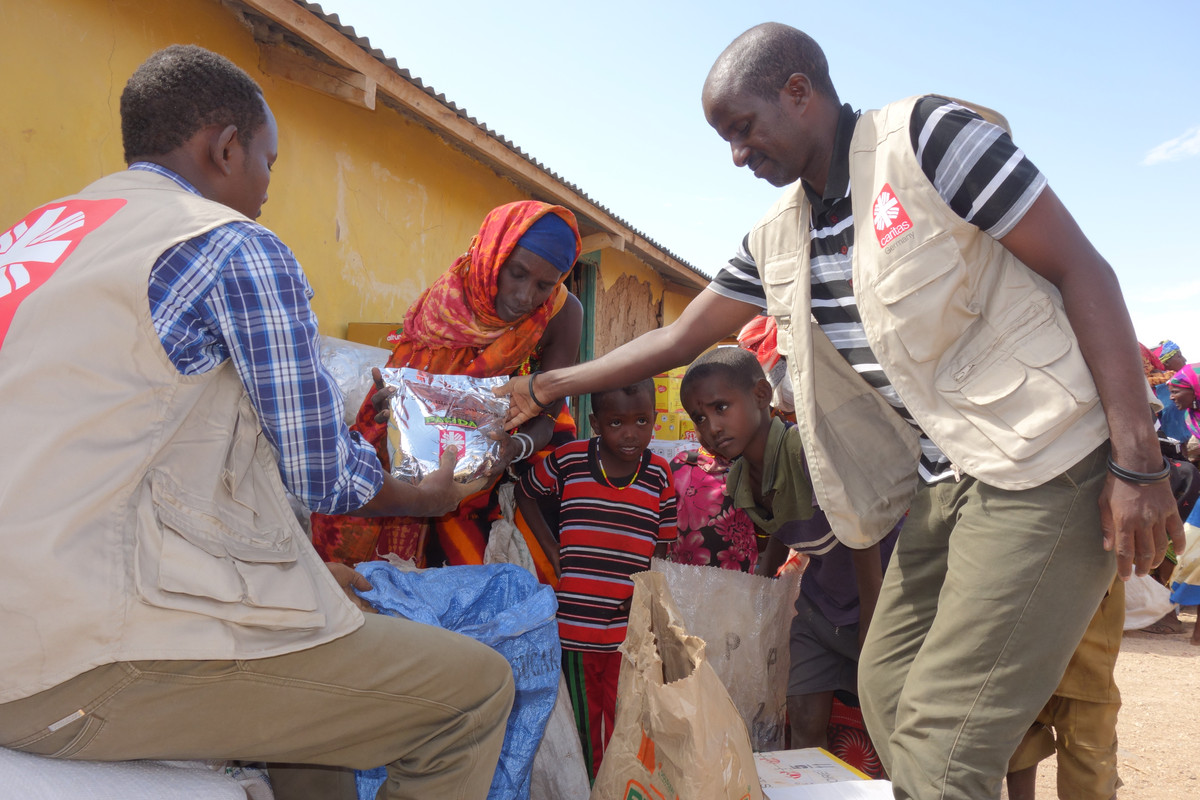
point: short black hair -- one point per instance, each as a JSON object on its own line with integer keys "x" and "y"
{"x": 762, "y": 59}
{"x": 601, "y": 399}
{"x": 737, "y": 366}
{"x": 180, "y": 90}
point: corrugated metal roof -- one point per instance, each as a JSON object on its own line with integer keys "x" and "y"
{"x": 391, "y": 63}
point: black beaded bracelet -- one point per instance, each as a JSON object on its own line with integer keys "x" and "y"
{"x": 533, "y": 396}
{"x": 1140, "y": 478}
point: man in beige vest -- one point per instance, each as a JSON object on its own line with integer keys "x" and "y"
{"x": 959, "y": 352}
{"x": 160, "y": 366}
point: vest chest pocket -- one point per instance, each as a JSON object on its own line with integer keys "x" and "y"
{"x": 194, "y": 555}
{"x": 779, "y": 275}
{"x": 1027, "y": 376}
{"x": 926, "y": 299}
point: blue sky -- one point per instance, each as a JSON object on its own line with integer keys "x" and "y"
{"x": 1104, "y": 97}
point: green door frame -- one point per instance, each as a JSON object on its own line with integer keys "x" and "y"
{"x": 584, "y": 282}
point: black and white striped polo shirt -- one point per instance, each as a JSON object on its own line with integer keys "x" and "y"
{"x": 975, "y": 167}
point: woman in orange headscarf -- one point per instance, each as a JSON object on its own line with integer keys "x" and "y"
{"x": 500, "y": 310}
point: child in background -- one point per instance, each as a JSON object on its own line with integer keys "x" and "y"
{"x": 728, "y": 398}
{"x": 616, "y": 511}
{"x": 712, "y": 533}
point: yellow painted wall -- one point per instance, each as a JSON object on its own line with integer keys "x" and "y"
{"x": 615, "y": 263}
{"x": 375, "y": 207}
{"x": 673, "y": 305}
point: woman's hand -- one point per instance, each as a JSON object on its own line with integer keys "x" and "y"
{"x": 381, "y": 397}
{"x": 509, "y": 449}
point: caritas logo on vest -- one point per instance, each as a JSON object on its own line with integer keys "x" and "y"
{"x": 891, "y": 220}
{"x": 33, "y": 249}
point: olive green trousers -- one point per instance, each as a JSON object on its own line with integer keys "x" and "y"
{"x": 985, "y": 599}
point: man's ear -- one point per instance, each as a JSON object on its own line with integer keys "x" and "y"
{"x": 798, "y": 90}
{"x": 595, "y": 425}
{"x": 220, "y": 149}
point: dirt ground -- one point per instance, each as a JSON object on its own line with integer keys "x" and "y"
{"x": 1159, "y": 725}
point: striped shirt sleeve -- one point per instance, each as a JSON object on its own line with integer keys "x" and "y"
{"x": 974, "y": 165}
{"x": 738, "y": 279}
{"x": 667, "y": 517}
{"x": 544, "y": 479}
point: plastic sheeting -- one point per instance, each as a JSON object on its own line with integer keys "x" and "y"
{"x": 33, "y": 777}
{"x": 350, "y": 365}
{"x": 1146, "y": 602}
{"x": 504, "y": 607}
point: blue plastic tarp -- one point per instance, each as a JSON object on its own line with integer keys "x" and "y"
{"x": 504, "y": 607}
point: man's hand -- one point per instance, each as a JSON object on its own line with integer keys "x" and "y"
{"x": 521, "y": 407}
{"x": 1137, "y": 520}
{"x": 350, "y": 580}
{"x": 440, "y": 493}
{"x": 437, "y": 494}
{"x": 381, "y": 397}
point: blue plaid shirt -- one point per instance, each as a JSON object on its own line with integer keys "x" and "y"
{"x": 237, "y": 292}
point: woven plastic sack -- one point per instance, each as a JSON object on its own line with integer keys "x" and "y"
{"x": 506, "y": 544}
{"x": 504, "y": 607}
{"x": 746, "y": 621}
{"x": 558, "y": 772}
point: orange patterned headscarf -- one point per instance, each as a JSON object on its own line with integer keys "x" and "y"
{"x": 452, "y": 329}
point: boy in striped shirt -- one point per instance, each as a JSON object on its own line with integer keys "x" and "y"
{"x": 616, "y": 512}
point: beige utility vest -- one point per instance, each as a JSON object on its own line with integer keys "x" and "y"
{"x": 142, "y": 515}
{"x": 976, "y": 344}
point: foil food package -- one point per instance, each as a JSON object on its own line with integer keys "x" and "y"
{"x": 431, "y": 412}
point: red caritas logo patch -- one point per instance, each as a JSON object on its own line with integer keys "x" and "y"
{"x": 448, "y": 437}
{"x": 33, "y": 249}
{"x": 889, "y": 216}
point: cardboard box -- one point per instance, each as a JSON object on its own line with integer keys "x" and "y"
{"x": 815, "y": 774}
{"x": 666, "y": 394}
{"x": 687, "y": 430}
{"x": 666, "y": 427}
{"x": 669, "y": 449}
{"x": 376, "y": 334}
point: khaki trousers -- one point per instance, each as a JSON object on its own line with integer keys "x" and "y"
{"x": 985, "y": 598}
{"x": 430, "y": 704}
{"x": 1080, "y": 721}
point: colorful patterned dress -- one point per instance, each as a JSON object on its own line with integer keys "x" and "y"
{"x": 711, "y": 531}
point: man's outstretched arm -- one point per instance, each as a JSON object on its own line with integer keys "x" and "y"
{"x": 708, "y": 319}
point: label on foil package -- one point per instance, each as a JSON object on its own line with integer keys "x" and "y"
{"x": 432, "y": 412}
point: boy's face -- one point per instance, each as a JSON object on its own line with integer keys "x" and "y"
{"x": 727, "y": 417}
{"x": 625, "y": 425}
